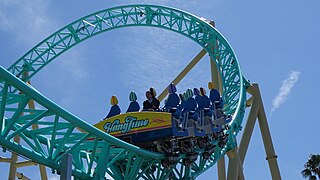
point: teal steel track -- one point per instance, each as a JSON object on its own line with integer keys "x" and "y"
{"x": 94, "y": 152}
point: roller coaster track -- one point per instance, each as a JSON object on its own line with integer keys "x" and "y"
{"x": 95, "y": 153}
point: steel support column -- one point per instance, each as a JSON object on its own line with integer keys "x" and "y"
{"x": 271, "y": 156}
{"x": 215, "y": 75}
{"x": 233, "y": 166}
{"x": 222, "y": 169}
{"x": 66, "y": 167}
{"x": 14, "y": 159}
{"x": 42, "y": 168}
{"x": 251, "y": 120}
{"x": 183, "y": 73}
{"x": 257, "y": 111}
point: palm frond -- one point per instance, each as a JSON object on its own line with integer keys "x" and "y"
{"x": 306, "y": 173}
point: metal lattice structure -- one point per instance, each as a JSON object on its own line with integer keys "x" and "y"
{"x": 94, "y": 152}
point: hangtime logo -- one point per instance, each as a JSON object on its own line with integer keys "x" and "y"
{"x": 129, "y": 124}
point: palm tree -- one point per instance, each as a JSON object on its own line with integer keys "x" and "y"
{"x": 312, "y": 167}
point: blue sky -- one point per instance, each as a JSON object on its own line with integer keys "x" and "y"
{"x": 276, "y": 43}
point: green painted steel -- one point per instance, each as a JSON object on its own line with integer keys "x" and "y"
{"x": 94, "y": 152}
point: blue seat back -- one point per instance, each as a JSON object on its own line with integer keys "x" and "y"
{"x": 115, "y": 110}
{"x": 173, "y": 99}
{"x": 133, "y": 107}
{"x": 214, "y": 95}
{"x": 220, "y": 104}
{"x": 203, "y": 102}
{"x": 191, "y": 103}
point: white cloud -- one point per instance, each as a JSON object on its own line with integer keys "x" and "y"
{"x": 30, "y": 22}
{"x": 285, "y": 90}
{"x": 155, "y": 57}
{"x": 74, "y": 63}
{"x": 27, "y": 21}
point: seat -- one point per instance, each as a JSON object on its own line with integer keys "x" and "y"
{"x": 217, "y": 105}
{"x": 191, "y": 106}
{"x": 214, "y": 96}
{"x": 115, "y": 109}
{"x": 216, "y": 100}
{"x": 134, "y": 105}
{"x": 204, "y": 102}
{"x": 173, "y": 101}
{"x": 191, "y": 119}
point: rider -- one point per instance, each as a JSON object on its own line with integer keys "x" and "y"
{"x": 152, "y": 103}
